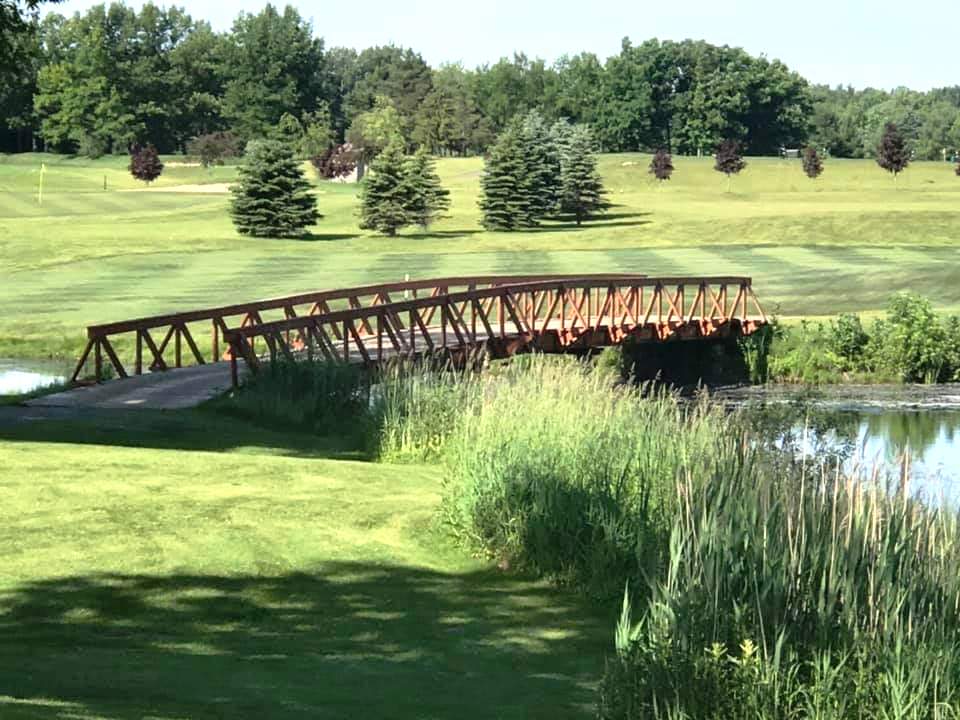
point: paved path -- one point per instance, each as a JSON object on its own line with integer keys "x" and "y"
{"x": 170, "y": 390}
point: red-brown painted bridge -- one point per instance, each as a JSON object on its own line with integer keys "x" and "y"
{"x": 462, "y": 316}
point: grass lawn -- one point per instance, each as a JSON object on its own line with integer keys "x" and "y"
{"x": 844, "y": 242}
{"x": 185, "y": 565}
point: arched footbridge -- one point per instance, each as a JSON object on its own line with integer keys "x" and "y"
{"x": 461, "y": 316}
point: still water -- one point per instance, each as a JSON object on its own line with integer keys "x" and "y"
{"x": 19, "y": 376}
{"x": 876, "y": 428}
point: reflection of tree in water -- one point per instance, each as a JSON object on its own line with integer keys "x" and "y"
{"x": 917, "y": 431}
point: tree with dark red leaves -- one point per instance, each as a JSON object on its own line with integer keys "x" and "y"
{"x": 893, "y": 154}
{"x": 812, "y": 164}
{"x": 145, "y": 163}
{"x": 661, "y": 166}
{"x": 728, "y": 159}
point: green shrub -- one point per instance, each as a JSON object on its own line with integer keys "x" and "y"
{"x": 913, "y": 343}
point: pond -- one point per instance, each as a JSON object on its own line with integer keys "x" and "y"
{"x": 22, "y": 376}
{"x": 874, "y": 428}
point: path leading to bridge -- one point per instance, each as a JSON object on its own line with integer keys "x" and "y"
{"x": 170, "y": 390}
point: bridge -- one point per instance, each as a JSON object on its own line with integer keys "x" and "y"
{"x": 461, "y": 317}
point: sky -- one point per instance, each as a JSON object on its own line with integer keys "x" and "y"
{"x": 863, "y": 43}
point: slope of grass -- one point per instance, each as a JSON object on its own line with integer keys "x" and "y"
{"x": 844, "y": 242}
{"x": 187, "y": 565}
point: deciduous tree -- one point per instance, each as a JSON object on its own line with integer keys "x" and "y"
{"x": 661, "y": 165}
{"x": 145, "y": 163}
{"x": 213, "y": 148}
{"x": 272, "y": 197}
{"x": 893, "y": 154}
{"x": 812, "y": 164}
{"x": 728, "y": 160}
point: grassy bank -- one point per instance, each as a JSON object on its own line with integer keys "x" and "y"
{"x": 841, "y": 243}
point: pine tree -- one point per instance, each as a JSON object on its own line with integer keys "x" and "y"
{"x": 812, "y": 164}
{"x": 505, "y": 198}
{"x": 386, "y": 195}
{"x": 145, "y": 163}
{"x": 272, "y": 197}
{"x": 661, "y": 165}
{"x": 542, "y": 158}
{"x": 728, "y": 160}
{"x": 582, "y": 191}
{"x": 427, "y": 197}
{"x": 893, "y": 155}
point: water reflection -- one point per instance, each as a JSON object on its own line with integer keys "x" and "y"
{"x": 18, "y": 377}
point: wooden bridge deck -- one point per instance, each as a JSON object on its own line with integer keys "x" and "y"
{"x": 464, "y": 316}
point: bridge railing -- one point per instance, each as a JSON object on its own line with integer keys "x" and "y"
{"x": 569, "y": 312}
{"x": 163, "y": 341}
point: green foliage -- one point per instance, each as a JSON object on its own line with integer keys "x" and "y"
{"x": 812, "y": 164}
{"x": 756, "y": 349}
{"x": 581, "y": 189}
{"x": 145, "y": 163}
{"x": 506, "y": 200}
{"x": 911, "y": 344}
{"x": 273, "y": 65}
{"x": 376, "y": 129}
{"x": 542, "y": 157}
{"x": 315, "y": 396}
{"x": 816, "y": 613}
{"x": 428, "y": 197}
{"x": 386, "y": 196}
{"x": 272, "y": 197}
{"x": 554, "y": 469}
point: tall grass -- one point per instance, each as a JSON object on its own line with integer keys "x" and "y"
{"x": 790, "y": 596}
{"x": 316, "y": 396}
{"x": 551, "y": 467}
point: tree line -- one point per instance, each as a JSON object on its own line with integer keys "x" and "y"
{"x": 114, "y": 77}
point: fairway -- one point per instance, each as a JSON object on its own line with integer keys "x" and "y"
{"x": 844, "y": 242}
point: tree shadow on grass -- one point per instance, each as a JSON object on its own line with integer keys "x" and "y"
{"x": 201, "y": 429}
{"x": 346, "y": 640}
{"x": 321, "y": 237}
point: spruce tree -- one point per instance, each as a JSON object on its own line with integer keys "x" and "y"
{"x": 272, "y": 197}
{"x": 386, "y": 196}
{"x": 505, "y": 198}
{"x": 661, "y": 165}
{"x": 145, "y": 163}
{"x": 428, "y": 198}
{"x": 728, "y": 160}
{"x": 893, "y": 155}
{"x": 812, "y": 164}
{"x": 542, "y": 157}
{"x": 582, "y": 192}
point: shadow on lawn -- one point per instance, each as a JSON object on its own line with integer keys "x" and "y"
{"x": 202, "y": 429}
{"x": 346, "y": 641}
